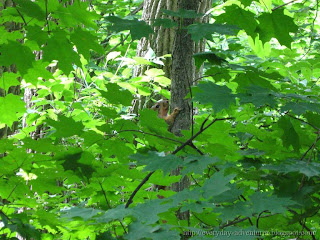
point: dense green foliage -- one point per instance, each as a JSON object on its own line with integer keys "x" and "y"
{"x": 69, "y": 171}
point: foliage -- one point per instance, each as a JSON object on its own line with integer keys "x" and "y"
{"x": 75, "y": 163}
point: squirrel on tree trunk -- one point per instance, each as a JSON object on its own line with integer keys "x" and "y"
{"x": 162, "y": 107}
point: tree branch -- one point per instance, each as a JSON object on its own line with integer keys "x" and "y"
{"x": 301, "y": 120}
{"x": 137, "y": 9}
{"x": 109, "y": 206}
{"x": 15, "y": 6}
{"x": 273, "y": 9}
{"x": 188, "y": 142}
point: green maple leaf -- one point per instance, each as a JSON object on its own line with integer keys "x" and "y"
{"x": 234, "y": 15}
{"x": 138, "y": 29}
{"x": 117, "y": 213}
{"x": 295, "y": 165}
{"x": 246, "y": 3}
{"x": 9, "y": 36}
{"x": 166, "y": 23}
{"x": 37, "y": 34}
{"x": 313, "y": 118}
{"x": 148, "y": 211}
{"x": 138, "y": 230}
{"x": 149, "y": 120}
{"x": 205, "y": 30}
{"x": 79, "y": 212}
{"x": 79, "y": 162}
{"x": 258, "y": 96}
{"x": 198, "y": 164}
{"x": 220, "y": 97}
{"x": 76, "y": 15}
{"x": 84, "y": 41}
{"x": 66, "y": 127}
{"x": 216, "y": 185}
{"x": 117, "y": 95}
{"x": 31, "y": 9}
{"x": 199, "y": 59}
{"x": 235, "y": 210}
{"x": 261, "y": 201}
{"x": 11, "y": 108}
{"x": 301, "y": 107}
{"x": 154, "y": 161}
{"x": 289, "y": 136}
{"x": 37, "y": 71}
{"x": 9, "y": 79}
{"x": 18, "y": 54}
{"x": 59, "y": 48}
{"x": 276, "y": 25}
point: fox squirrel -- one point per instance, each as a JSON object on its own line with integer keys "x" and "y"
{"x": 162, "y": 107}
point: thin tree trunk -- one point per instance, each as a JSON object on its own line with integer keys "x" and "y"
{"x": 183, "y": 74}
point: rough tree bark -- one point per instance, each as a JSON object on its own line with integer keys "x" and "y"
{"x": 183, "y": 74}
{"x": 181, "y": 69}
{"x": 161, "y": 42}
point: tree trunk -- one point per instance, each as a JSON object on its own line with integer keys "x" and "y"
{"x": 183, "y": 74}
{"x": 161, "y": 42}
{"x": 181, "y": 69}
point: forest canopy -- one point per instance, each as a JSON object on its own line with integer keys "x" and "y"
{"x": 84, "y": 155}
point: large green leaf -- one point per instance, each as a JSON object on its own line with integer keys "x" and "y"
{"x": 117, "y": 95}
{"x": 216, "y": 185}
{"x": 18, "y": 54}
{"x": 75, "y": 15}
{"x": 289, "y": 136}
{"x": 66, "y": 127}
{"x": 210, "y": 56}
{"x": 11, "y": 108}
{"x": 9, "y": 79}
{"x": 234, "y": 15}
{"x": 138, "y": 29}
{"x": 205, "y": 30}
{"x": 220, "y": 97}
{"x": 258, "y": 96}
{"x": 85, "y": 41}
{"x": 59, "y": 48}
{"x": 276, "y": 25}
{"x": 154, "y": 161}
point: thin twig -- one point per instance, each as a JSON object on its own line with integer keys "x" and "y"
{"x": 308, "y": 229}
{"x": 15, "y": 6}
{"x": 47, "y": 17}
{"x": 311, "y": 148}
{"x": 259, "y": 216}
{"x": 112, "y": 49}
{"x": 201, "y": 220}
{"x": 234, "y": 222}
{"x": 137, "y": 9}
{"x": 152, "y": 134}
{"x": 301, "y": 120}
{"x": 109, "y": 206}
{"x": 196, "y": 182}
{"x": 138, "y": 188}
{"x": 273, "y": 9}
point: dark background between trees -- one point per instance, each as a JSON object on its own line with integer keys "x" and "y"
{"x": 82, "y": 155}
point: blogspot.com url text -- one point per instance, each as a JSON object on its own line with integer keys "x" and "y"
{"x": 250, "y": 233}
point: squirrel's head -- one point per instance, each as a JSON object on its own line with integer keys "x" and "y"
{"x": 162, "y": 107}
